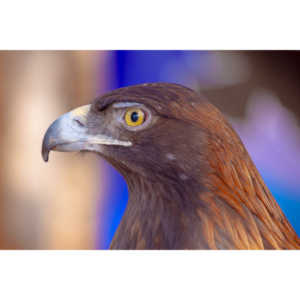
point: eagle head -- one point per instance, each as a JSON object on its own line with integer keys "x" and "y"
{"x": 142, "y": 129}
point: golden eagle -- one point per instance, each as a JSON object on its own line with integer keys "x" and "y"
{"x": 191, "y": 181}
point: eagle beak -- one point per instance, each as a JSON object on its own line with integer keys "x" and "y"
{"x": 69, "y": 133}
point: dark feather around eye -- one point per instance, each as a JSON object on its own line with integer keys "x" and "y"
{"x": 100, "y": 106}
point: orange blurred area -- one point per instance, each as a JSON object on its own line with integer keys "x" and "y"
{"x": 38, "y": 212}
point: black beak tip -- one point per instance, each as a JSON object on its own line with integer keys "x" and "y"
{"x": 45, "y": 154}
{"x": 45, "y": 157}
{"x": 47, "y": 144}
{"x": 45, "y": 148}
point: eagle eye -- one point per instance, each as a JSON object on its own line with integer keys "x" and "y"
{"x": 134, "y": 117}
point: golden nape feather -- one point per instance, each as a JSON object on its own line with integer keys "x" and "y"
{"x": 239, "y": 201}
{"x": 191, "y": 181}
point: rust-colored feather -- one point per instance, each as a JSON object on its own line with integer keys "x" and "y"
{"x": 251, "y": 217}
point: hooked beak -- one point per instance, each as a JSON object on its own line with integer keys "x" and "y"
{"x": 69, "y": 133}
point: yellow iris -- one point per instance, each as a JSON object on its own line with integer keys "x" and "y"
{"x": 134, "y": 117}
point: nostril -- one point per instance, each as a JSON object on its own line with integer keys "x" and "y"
{"x": 78, "y": 122}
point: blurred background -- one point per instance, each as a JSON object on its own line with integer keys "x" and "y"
{"x": 76, "y": 201}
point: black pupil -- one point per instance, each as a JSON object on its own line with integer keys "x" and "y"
{"x": 134, "y": 116}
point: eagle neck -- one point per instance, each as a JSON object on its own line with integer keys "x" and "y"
{"x": 159, "y": 213}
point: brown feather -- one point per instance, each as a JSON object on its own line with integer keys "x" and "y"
{"x": 222, "y": 204}
{"x": 235, "y": 180}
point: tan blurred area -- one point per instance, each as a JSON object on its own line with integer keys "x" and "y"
{"x": 37, "y": 212}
